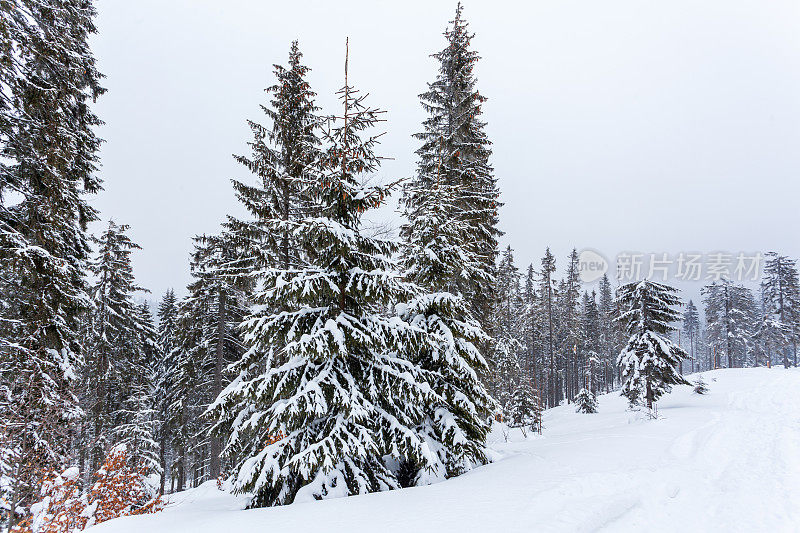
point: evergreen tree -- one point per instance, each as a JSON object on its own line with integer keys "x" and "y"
{"x": 585, "y": 402}
{"x": 609, "y": 333}
{"x": 730, "y": 318}
{"x": 223, "y": 297}
{"x": 207, "y": 341}
{"x": 530, "y": 330}
{"x": 649, "y": 359}
{"x": 48, "y": 159}
{"x": 691, "y": 326}
{"x": 284, "y": 157}
{"x": 547, "y": 295}
{"x": 782, "y": 300}
{"x": 569, "y": 327}
{"x": 700, "y": 386}
{"x": 591, "y": 364}
{"x": 455, "y": 150}
{"x": 167, "y": 332}
{"x": 507, "y": 327}
{"x": 115, "y": 347}
{"x": 138, "y": 428}
{"x": 770, "y": 335}
{"x": 523, "y": 408}
{"x": 455, "y": 425}
{"x": 334, "y": 396}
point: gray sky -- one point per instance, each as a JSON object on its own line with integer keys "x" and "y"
{"x": 617, "y": 125}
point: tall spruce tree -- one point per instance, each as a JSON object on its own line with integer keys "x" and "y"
{"x": 283, "y": 158}
{"x": 547, "y": 302}
{"x": 48, "y": 159}
{"x": 609, "y": 332}
{"x": 590, "y": 363}
{"x": 114, "y": 345}
{"x": 166, "y": 331}
{"x": 781, "y": 287}
{"x": 569, "y": 330}
{"x": 531, "y": 330}
{"x": 507, "y": 327}
{"x": 649, "y": 359}
{"x": 770, "y": 335}
{"x": 731, "y": 317}
{"x": 454, "y": 426}
{"x": 334, "y": 395}
{"x": 455, "y": 148}
{"x": 209, "y": 340}
{"x": 691, "y": 326}
{"x": 137, "y": 426}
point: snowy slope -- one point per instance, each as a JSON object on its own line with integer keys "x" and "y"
{"x": 727, "y": 461}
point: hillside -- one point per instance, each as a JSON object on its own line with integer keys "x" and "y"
{"x": 726, "y": 461}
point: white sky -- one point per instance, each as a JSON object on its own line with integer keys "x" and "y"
{"x": 617, "y": 125}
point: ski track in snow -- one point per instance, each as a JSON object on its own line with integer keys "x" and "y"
{"x": 726, "y": 461}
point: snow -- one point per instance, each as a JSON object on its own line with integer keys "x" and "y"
{"x": 725, "y": 461}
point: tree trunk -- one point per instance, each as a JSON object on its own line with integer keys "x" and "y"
{"x": 162, "y": 456}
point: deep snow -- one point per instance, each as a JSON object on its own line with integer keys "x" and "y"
{"x": 726, "y": 461}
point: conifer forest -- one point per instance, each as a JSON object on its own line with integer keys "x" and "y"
{"x": 345, "y": 329}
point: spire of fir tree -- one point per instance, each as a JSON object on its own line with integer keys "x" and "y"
{"x": 283, "y": 157}
{"x": 455, "y": 150}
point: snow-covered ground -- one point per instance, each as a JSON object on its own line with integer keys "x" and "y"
{"x": 727, "y": 461}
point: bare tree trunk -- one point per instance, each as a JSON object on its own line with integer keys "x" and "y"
{"x": 162, "y": 455}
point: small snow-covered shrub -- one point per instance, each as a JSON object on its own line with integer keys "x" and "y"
{"x": 700, "y": 386}
{"x": 585, "y": 402}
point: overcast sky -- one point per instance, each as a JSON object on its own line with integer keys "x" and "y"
{"x": 617, "y": 125}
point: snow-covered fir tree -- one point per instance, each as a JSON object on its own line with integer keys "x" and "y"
{"x": 547, "y": 313}
{"x": 139, "y": 420}
{"x": 284, "y": 156}
{"x": 48, "y": 159}
{"x": 507, "y": 328}
{"x": 524, "y": 410}
{"x": 115, "y": 358}
{"x": 731, "y": 316}
{"x": 611, "y": 333}
{"x": 163, "y": 397}
{"x": 770, "y": 335}
{"x": 781, "y": 287}
{"x": 691, "y": 327}
{"x": 455, "y": 148}
{"x": 649, "y": 360}
{"x": 208, "y": 340}
{"x": 700, "y": 386}
{"x": 223, "y": 294}
{"x": 323, "y": 393}
{"x": 590, "y": 363}
{"x": 585, "y": 401}
{"x": 568, "y": 334}
{"x": 454, "y": 425}
{"x": 530, "y": 330}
